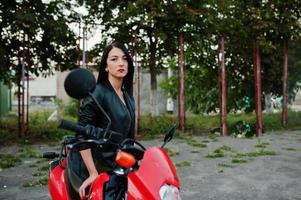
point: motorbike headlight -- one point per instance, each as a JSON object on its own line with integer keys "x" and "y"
{"x": 169, "y": 192}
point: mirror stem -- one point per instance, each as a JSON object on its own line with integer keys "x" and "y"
{"x": 103, "y": 111}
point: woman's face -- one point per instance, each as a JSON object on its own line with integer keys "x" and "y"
{"x": 117, "y": 64}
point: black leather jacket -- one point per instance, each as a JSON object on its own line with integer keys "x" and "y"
{"x": 122, "y": 119}
{"x": 122, "y": 116}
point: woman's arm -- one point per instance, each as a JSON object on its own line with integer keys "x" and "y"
{"x": 88, "y": 160}
{"x": 87, "y": 116}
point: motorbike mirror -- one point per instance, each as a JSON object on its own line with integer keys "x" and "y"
{"x": 79, "y": 83}
{"x": 169, "y": 134}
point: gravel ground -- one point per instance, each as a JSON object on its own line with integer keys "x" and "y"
{"x": 260, "y": 177}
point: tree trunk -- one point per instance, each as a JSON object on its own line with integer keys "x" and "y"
{"x": 181, "y": 89}
{"x": 285, "y": 83}
{"x": 222, "y": 87}
{"x": 257, "y": 77}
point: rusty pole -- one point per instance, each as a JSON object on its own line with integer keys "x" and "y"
{"x": 22, "y": 116}
{"x": 27, "y": 106}
{"x": 84, "y": 46}
{"x": 19, "y": 74}
{"x": 285, "y": 83}
{"x": 23, "y": 94}
{"x": 257, "y": 77}
{"x": 78, "y": 64}
{"x": 27, "y": 91}
{"x": 136, "y": 83}
{"x": 222, "y": 87}
{"x": 181, "y": 79}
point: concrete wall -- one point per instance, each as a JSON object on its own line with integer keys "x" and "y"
{"x": 44, "y": 88}
{"x": 145, "y": 95}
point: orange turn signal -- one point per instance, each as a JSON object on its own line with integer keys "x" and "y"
{"x": 125, "y": 159}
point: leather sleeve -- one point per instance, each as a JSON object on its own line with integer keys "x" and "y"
{"x": 87, "y": 113}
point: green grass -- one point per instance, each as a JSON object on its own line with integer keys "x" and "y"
{"x": 217, "y": 153}
{"x": 9, "y": 160}
{"x": 44, "y": 168}
{"x": 39, "y": 182}
{"x": 225, "y": 165}
{"x": 193, "y": 142}
{"x": 290, "y": 149}
{"x": 237, "y": 160}
{"x": 150, "y": 127}
{"x": 225, "y": 148}
{"x": 28, "y": 152}
{"x": 261, "y": 153}
{"x": 171, "y": 153}
{"x": 183, "y": 164}
{"x": 38, "y": 174}
{"x": 262, "y": 145}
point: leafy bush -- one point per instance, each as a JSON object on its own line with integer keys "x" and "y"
{"x": 71, "y": 109}
{"x": 41, "y": 128}
{"x": 150, "y": 127}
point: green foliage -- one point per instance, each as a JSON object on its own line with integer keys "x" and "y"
{"x": 152, "y": 126}
{"x": 67, "y": 110}
{"x": 242, "y": 129}
{"x": 200, "y": 123}
{"x": 9, "y": 160}
{"x": 41, "y": 128}
{"x": 239, "y": 22}
{"x": 49, "y": 38}
{"x": 71, "y": 109}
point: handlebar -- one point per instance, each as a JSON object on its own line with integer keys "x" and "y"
{"x": 93, "y": 131}
{"x": 72, "y": 127}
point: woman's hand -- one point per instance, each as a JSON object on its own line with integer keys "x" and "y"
{"x": 85, "y": 184}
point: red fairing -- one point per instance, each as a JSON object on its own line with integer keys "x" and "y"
{"x": 97, "y": 186}
{"x": 156, "y": 169}
{"x": 56, "y": 184}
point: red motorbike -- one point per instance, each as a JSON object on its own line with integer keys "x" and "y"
{"x": 141, "y": 174}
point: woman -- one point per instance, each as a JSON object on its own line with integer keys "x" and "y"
{"x": 114, "y": 93}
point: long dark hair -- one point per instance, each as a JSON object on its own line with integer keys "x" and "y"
{"x": 103, "y": 74}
